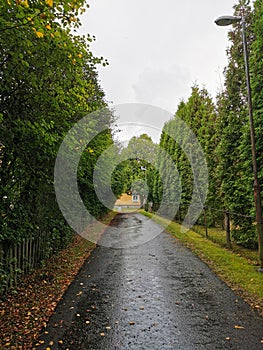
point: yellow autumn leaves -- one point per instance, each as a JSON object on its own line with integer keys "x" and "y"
{"x": 41, "y": 34}
{"x": 25, "y": 2}
{"x": 38, "y": 34}
{"x": 49, "y": 3}
{"x": 40, "y": 31}
{"x": 74, "y": 61}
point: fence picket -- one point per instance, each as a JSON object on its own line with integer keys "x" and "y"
{"x": 20, "y": 259}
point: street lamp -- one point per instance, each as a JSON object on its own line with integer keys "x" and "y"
{"x": 225, "y": 21}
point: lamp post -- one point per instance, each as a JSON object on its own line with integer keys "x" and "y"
{"x": 225, "y": 21}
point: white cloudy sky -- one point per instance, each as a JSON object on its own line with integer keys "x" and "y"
{"x": 158, "y": 50}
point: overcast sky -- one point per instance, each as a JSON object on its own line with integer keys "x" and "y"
{"x": 158, "y": 50}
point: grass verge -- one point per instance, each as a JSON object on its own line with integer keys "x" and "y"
{"x": 217, "y": 235}
{"x": 27, "y": 308}
{"x": 237, "y": 271}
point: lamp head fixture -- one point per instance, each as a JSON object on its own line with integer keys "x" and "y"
{"x": 227, "y": 20}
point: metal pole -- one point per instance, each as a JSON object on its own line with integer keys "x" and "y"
{"x": 257, "y": 194}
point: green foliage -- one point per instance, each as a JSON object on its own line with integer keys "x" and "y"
{"x": 137, "y": 167}
{"x": 48, "y": 82}
{"x": 234, "y": 176}
{"x": 88, "y": 161}
{"x": 199, "y": 114}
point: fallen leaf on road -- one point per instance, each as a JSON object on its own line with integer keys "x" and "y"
{"x": 239, "y": 327}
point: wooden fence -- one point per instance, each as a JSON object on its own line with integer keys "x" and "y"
{"x": 20, "y": 259}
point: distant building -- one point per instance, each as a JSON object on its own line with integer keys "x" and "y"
{"x": 127, "y": 201}
{"x": 135, "y": 198}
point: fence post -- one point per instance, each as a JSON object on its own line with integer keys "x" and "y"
{"x": 179, "y": 214}
{"x": 10, "y": 266}
{"x": 205, "y": 217}
{"x": 15, "y": 257}
{"x": 24, "y": 256}
{"x": 1, "y": 255}
{"x": 227, "y": 228}
{"x": 189, "y": 216}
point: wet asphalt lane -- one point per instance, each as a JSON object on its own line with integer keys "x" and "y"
{"x": 154, "y": 296}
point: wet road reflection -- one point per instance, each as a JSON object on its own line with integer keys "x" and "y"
{"x": 157, "y": 295}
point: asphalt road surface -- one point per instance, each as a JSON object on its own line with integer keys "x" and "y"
{"x": 154, "y": 296}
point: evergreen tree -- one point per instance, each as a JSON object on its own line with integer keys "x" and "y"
{"x": 234, "y": 168}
